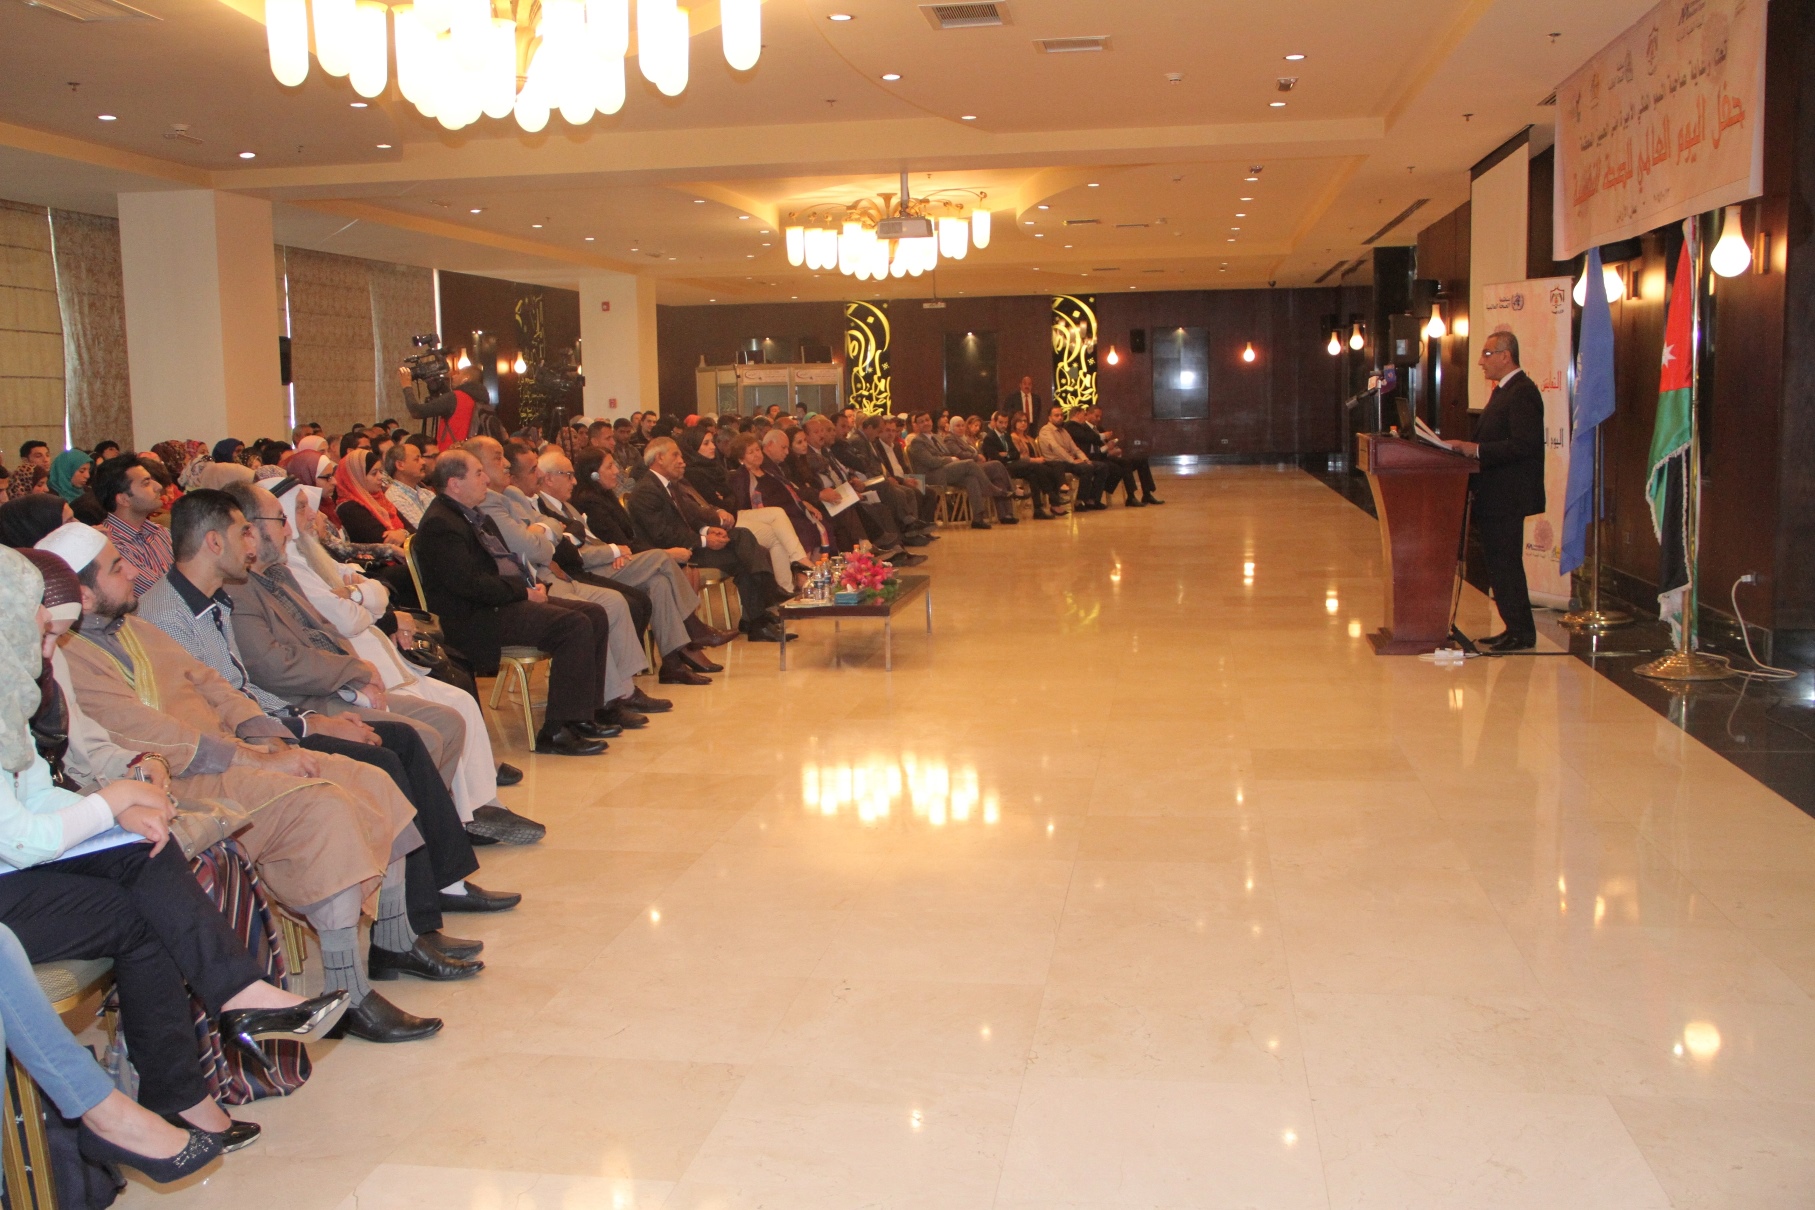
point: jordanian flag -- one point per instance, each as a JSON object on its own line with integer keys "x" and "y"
{"x": 1670, "y": 441}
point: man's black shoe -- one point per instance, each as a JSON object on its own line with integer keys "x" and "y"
{"x": 592, "y": 729}
{"x": 509, "y": 775}
{"x": 699, "y": 661}
{"x": 680, "y": 672}
{"x": 565, "y": 741}
{"x": 906, "y": 560}
{"x": 376, "y": 1019}
{"x": 478, "y": 899}
{"x": 1150, "y": 498}
{"x": 980, "y": 525}
{"x": 769, "y": 632}
{"x": 1131, "y": 502}
{"x": 451, "y": 947}
{"x": 636, "y": 699}
{"x": 619, "y": 716}
{"x": 910, "y": 539}
{"x": 422, "y": 961}
{"x": 1507, "y": 641}
{"x": 492, "y": 824}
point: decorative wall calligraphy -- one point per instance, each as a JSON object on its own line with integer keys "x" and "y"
{"x": 866, "y": 352}
{"x": 1074, "y": 350}
{"x": 1665, "y": 122}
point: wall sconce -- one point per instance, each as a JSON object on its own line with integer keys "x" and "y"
{"x": 1732, "y": 255}
{"x": 463, "y": 362}
{"x": 1113, "y": 358}
{"x": 1335, "y": 345}
{"x": 1610, "y": 276}
{"x": 1356, "y": 339}
{"x": 1435, "y": 329}
{"x": 1248, "y": 353}
{"x": 519, "y": 365}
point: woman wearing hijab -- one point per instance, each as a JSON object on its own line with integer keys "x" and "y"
{"x": 78, "y": 880}
{"x": 227, "y": 449}
{"x": 25, "y": 520}
{"x": 364, "y": 511}
{"x": 308, "y": 465}
{"x": 69, "y": 473}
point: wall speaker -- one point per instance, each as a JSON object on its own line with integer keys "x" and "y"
{"x": 1407, "y": 336}
{"x": 1137, "y": 340}
{"x": 283, "y": 360}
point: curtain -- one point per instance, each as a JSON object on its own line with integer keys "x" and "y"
{"x": 90, "y": 295}
{"x": 403, "y": 305}
{"x": 332, "y": 362}
{"x": 31, "y": 332}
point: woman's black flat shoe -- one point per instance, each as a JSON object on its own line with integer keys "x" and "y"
{"x": 236, "y": 1136}
{"x": 198, "y": 1153}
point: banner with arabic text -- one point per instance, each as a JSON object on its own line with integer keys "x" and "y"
{"x": 1665, "y": 122}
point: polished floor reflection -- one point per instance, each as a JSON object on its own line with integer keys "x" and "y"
{"x": 1142, "y": 882}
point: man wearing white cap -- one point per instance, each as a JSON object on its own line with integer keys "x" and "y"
{"x": 325, "y": 831}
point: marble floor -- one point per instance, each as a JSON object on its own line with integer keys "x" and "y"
{"x": 1141, "y": 883}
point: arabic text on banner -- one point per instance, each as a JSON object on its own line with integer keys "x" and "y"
{"x": 1665, "y": 122}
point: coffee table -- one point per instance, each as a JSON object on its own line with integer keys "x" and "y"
{"x": 911, "y": 587}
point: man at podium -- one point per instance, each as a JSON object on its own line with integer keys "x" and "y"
{"x": 1509, "y": 487}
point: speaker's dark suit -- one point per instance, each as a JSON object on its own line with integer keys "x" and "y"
{"x": 1509, "y": 488}
{"x": 656, "y": 512}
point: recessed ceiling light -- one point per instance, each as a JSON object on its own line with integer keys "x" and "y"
{"x": 699, "y": 201}
{"x": 1293, "y": 58}
{"x": 1043, "y": 206}
{"x": 712, "y": 300}
{"x": 967, "y": 117}
{"x": 1235, "y": 228}
{"x": 248, "y": 155}
{"x": 477, "y": 210}
{"x": 356, "y": 104}
{"x": 765, "y": 231}
{"x": 891, "y": 76}
{"x": 674, "y": 258}
{"x": 1091, "y": 185}
{"x": 1232, "y": 239}
{"x": 589, "y": 239}
{"x": 384, "y": 146}
{"x": 1038, "y": 235}
{"x": 1246, "y": 199}
{"x": 747, "y": 256}
{"x": 743, "y": 218}
{"x": 1030, "y": 222}
{"x": 537, "y": 226}
{"x": 1276, "y": 104}
{"x": 793, "y": 296}
{"x": 106, "y": 117}
{"x": 767, "y": 244}
{"x": 1250, "y": 178}
{"x": 1068, "y": 245}
{"x": 838, "y": 16}
{"x": 1241, "y": 214}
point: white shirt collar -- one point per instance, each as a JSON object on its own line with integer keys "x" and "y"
{"x": 1511, "y": 374}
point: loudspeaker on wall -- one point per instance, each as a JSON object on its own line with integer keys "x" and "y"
{"x": 1137, "y": 340}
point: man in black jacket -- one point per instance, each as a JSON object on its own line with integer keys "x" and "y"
{"x": 668, "y": 513}
{"x": 1046, "y": 481}
{"x": 1130, "y": 471}
{"x": 487, "y": 600}
{"x": 1509, "y": 443}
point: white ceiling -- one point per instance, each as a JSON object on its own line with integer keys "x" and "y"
{"x": 1395, "y": 100}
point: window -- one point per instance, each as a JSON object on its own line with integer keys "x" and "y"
{"x": 1181, "y": 373}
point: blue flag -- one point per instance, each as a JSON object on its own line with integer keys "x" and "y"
{"x": 1593, "y": 404}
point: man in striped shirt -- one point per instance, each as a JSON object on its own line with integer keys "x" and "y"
{"x": 131, "y": 496}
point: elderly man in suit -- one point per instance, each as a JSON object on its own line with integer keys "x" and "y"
{"x": 1509, "y": 487}
{"x": 1023, "y": 400}
{"x": 487, "y": 599}
{"x": 669, "y": 514}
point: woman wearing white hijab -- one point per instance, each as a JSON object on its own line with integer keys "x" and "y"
{"x": 353, "y": 605}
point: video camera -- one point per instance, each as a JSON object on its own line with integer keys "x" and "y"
{"x": 427, "y": 379}
{"x": 548, "y": 394}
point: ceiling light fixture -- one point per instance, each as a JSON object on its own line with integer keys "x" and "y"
{"x": 1293, "y": 58}
{"x": 356, "y": 104}
{"x": 1245, "y": 199}
{"x": 838, "y": 16}
{"x": 1276, "y": 104}
{"x": 699, "y": 201}
{"x": 106, "y": 117}
{"x": 888, "y": 235}
{"x": 1042, "y": 206}
{"x": 248, "y": 155}
{"x": 456, "y": 61}
{"x": 891, "y": 76}
{"x": 476, "y": 210}
{"x": 1091, "y": 185}
{"x": 967, "y": 117}
{"x": 1250, "y": 178}
{"x": 384, "y": 146}
{"x": 589, "y": 239}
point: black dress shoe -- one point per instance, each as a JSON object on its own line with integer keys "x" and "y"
{"x": 770, "y": 632}
{"x": 422, "y": 961}
{"x": 501, "y": 825}
{"x": 698, "y": 660}
{"x": 906, "y": 560}
{"x": 305, "y": 1022}
{"x": 1131, "y": 502}
{"x": 236, "y": 1136}
{"x": 916, "y": 540}
{"x": 200, "y": 1151}
{"x": 509, "y": 775}
{"x": 1150, "y": 498}
{"x": 1507, "y": 641}
{"x": 376, "y": 1019}
{"x": 478, "y": 899}
{"x": 621, "y": 717}
{"x": 677, "y": 671}
{"x": 565, "y": 741}
{"x": 980, "y": 525}
{"x": 708, "y": 636}
{"x": 592, "y": 728}
{"x": 451, "y": 947}
{"x": 1011, "y": 519}
{"x": 637, "y": 700}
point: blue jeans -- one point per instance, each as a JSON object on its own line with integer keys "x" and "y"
{"x": 68, "y": 1074}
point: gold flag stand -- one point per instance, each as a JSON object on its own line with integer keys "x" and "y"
{"x": 1594, "y": 619}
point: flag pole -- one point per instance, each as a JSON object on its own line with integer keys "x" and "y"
{"x": 1594, "y": 618}
{"x": 1686, "y": 663}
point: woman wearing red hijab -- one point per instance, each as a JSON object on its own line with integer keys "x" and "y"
{"x": 364, "y": 511}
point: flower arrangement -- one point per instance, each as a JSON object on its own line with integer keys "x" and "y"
{"x": 869, "y": 577}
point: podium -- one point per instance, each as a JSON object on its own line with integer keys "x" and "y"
{"x": 1421, "y": 496}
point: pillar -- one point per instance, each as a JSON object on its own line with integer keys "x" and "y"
{"x": 617, "y": 344}
{"x": 200, "y": 285}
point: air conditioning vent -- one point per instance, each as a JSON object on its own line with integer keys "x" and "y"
{"x": 965, "y": 16}
{"x": 1130, "y": 226}
{"x": 1071, "y": 46}
{"x": 93, "y": 10}
{"x": 1154, "y": 270}
{"x": 1410, "y": 210}
{"x": 1551, "y": 99}
{"x": 1083, "y": 222}
{"x": 1108, "y": 269}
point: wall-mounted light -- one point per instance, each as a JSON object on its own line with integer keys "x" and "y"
{"x": 1356, "y": 339}
{"x": 1113, "y": 357}
{"x": 1335, "y": 345}
{"x": 1248, "y": 352}
{"x": 1610, "y": 277}
{"x": 1732, "y": 255}
{"x": 519, "y": 365}
{"x": 463, "y": 362}
{"x": 1435, "y": 329}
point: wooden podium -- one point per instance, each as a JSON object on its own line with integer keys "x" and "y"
{"x": 1421, "y": 494}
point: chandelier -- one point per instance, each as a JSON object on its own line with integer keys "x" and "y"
{"x": 888, "y": 235}
{"x": 457, "y": 59}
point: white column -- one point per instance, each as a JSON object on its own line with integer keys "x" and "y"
{"x": 201, "y": 316}
{"x": 617, "y": 344}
